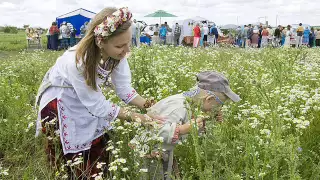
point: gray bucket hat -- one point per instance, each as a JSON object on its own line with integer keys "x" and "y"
{"x": 217, "y": 82}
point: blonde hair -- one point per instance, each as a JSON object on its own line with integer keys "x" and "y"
{"x": 89, "y": 52}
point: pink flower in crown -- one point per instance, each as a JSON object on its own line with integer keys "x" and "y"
{"x": 107, "y": 27}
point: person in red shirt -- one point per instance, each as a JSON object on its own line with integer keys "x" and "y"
{"x": 54, "y": 36}
{"x": 196, "y": 36}
{"x": 265, "y": 37}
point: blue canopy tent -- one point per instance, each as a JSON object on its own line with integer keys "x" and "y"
{"x": 77, "y": 18}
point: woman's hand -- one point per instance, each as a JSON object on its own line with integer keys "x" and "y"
{"x": 125, "y": 114}
{"x": 147, "y": 118}
{"x": 142, "y": 103}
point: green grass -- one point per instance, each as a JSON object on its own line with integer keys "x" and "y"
{"x": 16, "y": 42}
{"x": 273, "y": 133}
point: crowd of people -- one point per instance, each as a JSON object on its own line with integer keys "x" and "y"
{"x": 65, "y": 36}
{"x": 203, "y": 35}
{"x": 263, "y": 36}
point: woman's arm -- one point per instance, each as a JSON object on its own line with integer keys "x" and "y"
{"x": 141, "y": 102}
{"x": 138, "y": 101}
{"x": 137, "y": 117}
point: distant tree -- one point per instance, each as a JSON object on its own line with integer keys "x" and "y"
{"x": 10, "y": 29}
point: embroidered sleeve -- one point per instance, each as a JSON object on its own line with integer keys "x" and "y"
{"x": 175, "y": 135}
{"x": 94, "y": 101}
{"x": 121, "y": 78}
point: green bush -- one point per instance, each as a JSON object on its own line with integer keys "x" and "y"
{"x": 10, "y": 29}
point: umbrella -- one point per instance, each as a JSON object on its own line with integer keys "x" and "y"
{"x": 160, "y": 13}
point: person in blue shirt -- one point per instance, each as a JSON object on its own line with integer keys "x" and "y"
{"x": 306, "y": 35}
{"x": 214, "y": 32}
{"x": 163, "y": 34}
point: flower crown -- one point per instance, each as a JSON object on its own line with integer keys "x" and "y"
{"x": 112, "y": 22}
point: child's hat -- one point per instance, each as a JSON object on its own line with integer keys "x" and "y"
{"x": 217, "y": 82}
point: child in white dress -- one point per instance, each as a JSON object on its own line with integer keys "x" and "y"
{"x": 211, "y": 92}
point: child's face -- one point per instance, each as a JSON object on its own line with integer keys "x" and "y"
{"x": 210, "y": 103}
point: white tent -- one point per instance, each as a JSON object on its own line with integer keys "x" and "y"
{"x": 199, "y": 19}
{"x": 186, "y": 27}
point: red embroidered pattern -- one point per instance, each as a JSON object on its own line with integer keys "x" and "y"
{"x": 113, "y": 113}
{"x": 102, "y": 74}
{"x": 130, "y": 95}
{"x": 175, "y": 135}
{"x": 65, "y": 134}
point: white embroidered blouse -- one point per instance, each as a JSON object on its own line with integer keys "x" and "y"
{"x": 84, "y": 114}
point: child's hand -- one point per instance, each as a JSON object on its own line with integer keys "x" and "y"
{"x": 219, "y": 116}
{"x": 199, "y": 121}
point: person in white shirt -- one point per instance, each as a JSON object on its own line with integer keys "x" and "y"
{"x": 288, "y": 34}
{"x": 134, "y": 33}
{"x": 205, "y": 35}
{"x": 70, "y": 98}
{"x": 210, "y": 93}
{"x": 65, "y": 35}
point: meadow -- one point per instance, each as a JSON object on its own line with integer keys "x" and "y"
{"x": 272, "y": 133}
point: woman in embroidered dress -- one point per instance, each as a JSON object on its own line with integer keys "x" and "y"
{"x": 70, "y": 99}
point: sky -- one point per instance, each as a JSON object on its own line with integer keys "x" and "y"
{"x": 43, "y": 12}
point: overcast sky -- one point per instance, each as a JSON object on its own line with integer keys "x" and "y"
{"x": 43, "y": 12}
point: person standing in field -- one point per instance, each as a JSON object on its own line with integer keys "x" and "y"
{"x": 250, "y": 33}
{"x": 277, "y": 35}
{"x": 54, "y": 36}
{"x": 163, "y": 34}
{"x": 214, "y": 32}
{"x": 312, "y": 38}
{"x": 288, "y": 33}
{"x": 300, "y": 31}
{"x": 205, "y": 35}
{"x": 306, "y": 34}
{"x": 177, "y": 34}
{"x": 202, "y": 35}
{"x": 260, "y": 35}
{"x": 265, "y": 37}
{"x": 196, "y": 36}
{"x": 255, "y": 37}
{"x": 73, "y": 112}
{"x": 134, "y": 33}
{"x": 65, "y": 33}
{"x": 244, "y": 36}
